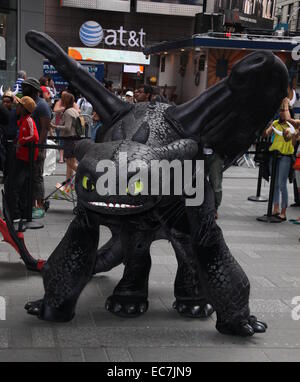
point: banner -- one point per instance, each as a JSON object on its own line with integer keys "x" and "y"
{"x": 96, "y": 70}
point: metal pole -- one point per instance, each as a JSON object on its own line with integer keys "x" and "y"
{"x": 269, "y": 218}
{"x": 258, "y": 198}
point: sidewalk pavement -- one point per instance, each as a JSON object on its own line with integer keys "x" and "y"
{"x": 269, "y": 253}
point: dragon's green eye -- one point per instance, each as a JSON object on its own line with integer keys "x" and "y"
{"x": 138, "y": 187}
{"x": 87, "y": 184}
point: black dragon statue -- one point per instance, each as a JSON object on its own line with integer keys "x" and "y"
{"x": 227, "y": 118}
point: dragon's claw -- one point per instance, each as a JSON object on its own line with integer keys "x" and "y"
{"x": 34, "y": 307}
{"x": 193, "y": 309}
{"x": 126, "y": 307}
{"x": 244, "y": 328}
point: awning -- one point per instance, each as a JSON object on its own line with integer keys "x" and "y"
{"x": 248, "y": 42}
{"x": 108, "y": 55}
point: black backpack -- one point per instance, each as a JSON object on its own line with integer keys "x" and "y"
{"x": 80, "y": 127}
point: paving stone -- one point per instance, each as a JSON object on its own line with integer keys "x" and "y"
{"x": 43, "y": 338}
{"x": 20, "y": 338}
{"x": 95, "y": 355}
{"x": 4, "y": 338}
{"x": 71, "y": 355}
{"x": 77, "y": 337}
{"x": 118, "y": 355}
{"x": 28, "y": 355}
{"x": 288, "y": 355}
{"x": 260, "y": 305}
{"x": 183, "y": 354}
{"x": 138, "y": 337}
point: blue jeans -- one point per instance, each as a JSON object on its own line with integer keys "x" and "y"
{"x": 282, "y": 174}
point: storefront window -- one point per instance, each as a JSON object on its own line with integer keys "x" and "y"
{"x": 8, "y": 43}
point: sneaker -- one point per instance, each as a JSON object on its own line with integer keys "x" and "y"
{"x": 38, "y": 213}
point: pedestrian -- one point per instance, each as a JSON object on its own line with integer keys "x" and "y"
{"x": 296, "y": 124}
{"x": 95, "y": 126}
{"x": 108, "y": 84}
{"x": 143, "y": 93}
{"x": 67, "y": 129}
{"x": 52, "y": 90}
{"x": 283, "y": 142}
{"x": 42, "y": 118}
{"x": 129, "y": 96}
{"x": 4, "y": 126}
{"x": 46, "y": 95}
{"x": 86, "y": 109}
{"x": 27, "y": 133}
{"x": 8, "y": 101}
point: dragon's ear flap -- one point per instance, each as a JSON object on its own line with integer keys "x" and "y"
{"x": 181, "y": 149}
{"x": 82, "y": 147}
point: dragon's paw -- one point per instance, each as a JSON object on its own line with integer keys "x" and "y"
{"x": 44, "y": 312}
{"x": 244, "y": 328}
{"x": 193, "y": 309}
{"x": 34, "y": 307}
{"x": 126, "y": 306}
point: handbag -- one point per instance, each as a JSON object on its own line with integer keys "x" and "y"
{"x": 296, "y": 165}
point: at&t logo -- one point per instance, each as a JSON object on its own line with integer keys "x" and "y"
{"x": 92, "y": 34}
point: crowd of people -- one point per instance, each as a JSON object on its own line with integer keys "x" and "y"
{"x": 34, "y": 111}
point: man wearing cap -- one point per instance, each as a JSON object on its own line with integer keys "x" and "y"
{"x": 27, "y": 133}
{"x": 129, "y": 96}
{"x": 42, "y": 118}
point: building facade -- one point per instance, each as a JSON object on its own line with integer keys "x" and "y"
{"x": 8, "y": 42}
{"x": 16, "y": 18}
{"x": 122, "y": 35}
{"x": 288, "y": 14}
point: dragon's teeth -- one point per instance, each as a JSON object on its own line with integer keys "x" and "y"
{"x": 111, "y": 205}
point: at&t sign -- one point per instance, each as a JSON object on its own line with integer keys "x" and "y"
{"x": 92, "y": 34}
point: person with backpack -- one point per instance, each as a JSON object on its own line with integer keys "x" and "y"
{"x": 69, "y": 131}
{"x": 86, "y": 109}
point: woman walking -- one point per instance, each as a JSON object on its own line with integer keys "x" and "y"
{"x": 67, "y": 131}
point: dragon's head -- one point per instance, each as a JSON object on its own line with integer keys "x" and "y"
{"x": 118, "y": 178}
